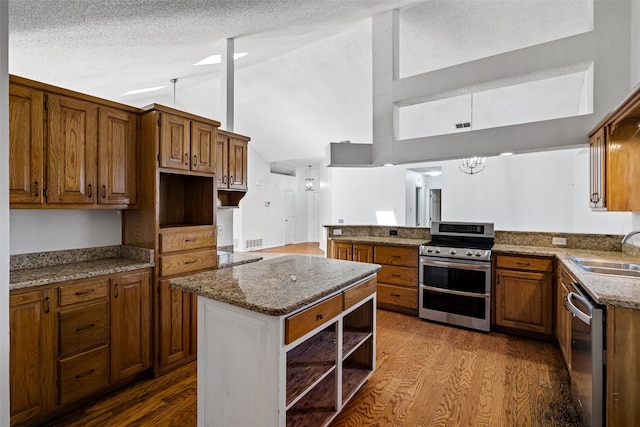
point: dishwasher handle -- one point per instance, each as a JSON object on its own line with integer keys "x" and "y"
{"x": 586, "y": 318}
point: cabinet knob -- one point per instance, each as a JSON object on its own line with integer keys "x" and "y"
{"x": 320, "y": 316}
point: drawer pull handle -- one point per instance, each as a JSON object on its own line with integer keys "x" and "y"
{"x": 117, "y": 290}
{"x": 193, "y": 261}
{"x": 524, "y": 264}
{"x": 37, "y": 189}
{"x": 90, "y": 191}
{"x": 320, "y": 316}
{"x": 195, "y": 160}
{"x": 84, "y": 328}
{"x": 395, "y": 256}
{"x": 48, "y": 301}
{"x": 104, "y": 191}
{"x": 395, "y": 295}
{"x": 190, "y": 240}
{"x": 87, "y": 292}
{"x": 395, "y": 275}
{"x": 186, "y": 159}
{"x": 85, "y": 374}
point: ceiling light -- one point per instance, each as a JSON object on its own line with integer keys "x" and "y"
{"x": 472, "y": 165}
{"x": 388, "y": 164}
{"x": 147, "y": 89}
{"x": 506, "y": 154}
{"x": 216, "y": 59}
{"x": 434, "y": 173}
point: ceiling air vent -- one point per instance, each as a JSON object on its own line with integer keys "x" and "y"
{"x": 463, "y": 125}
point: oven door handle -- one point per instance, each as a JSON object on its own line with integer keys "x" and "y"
{"x": 463, "y": 265}
{"x": 454, "y": 292}
{"x": 586, "y": 318}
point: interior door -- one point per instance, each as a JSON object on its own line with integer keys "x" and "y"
{"x": 289, "y": 217}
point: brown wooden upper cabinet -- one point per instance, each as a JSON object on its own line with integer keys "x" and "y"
{"x": 614, "y": 150}
{"x": 91, "y": 149}
{"x": 186, "y": 144}
{"x": 231, "y": 160}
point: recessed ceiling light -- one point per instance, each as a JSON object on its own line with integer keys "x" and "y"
{"x": 389, "y": 164}
{"x": 216, "y": 59}
{"x": 147, "y": 89}
{"x": 434, "y": 173}
{"x": 506, "y": 154}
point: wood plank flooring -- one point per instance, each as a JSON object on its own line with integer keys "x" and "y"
{"x": 307, "y": 248}
{"x": 427, "y": 375}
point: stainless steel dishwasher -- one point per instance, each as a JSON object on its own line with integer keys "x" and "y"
{"x": 587, "y": 356}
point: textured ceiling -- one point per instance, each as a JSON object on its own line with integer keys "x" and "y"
{"x": 307, "y": 78}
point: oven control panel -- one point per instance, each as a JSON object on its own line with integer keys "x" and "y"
{"x": 444, "y": 252}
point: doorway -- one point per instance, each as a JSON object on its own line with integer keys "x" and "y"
{"x": 289, "y": 217}
{"x": 435, "y": 205}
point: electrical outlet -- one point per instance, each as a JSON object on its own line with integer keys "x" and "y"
{"x": 393, "y": 232}
{"x": 220, "y": 230}
{"x": 340, "y": 221}
{"x": 561, "y": 241}
{"x": 337, "y": 231}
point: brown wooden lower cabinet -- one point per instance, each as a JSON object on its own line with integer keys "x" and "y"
{"x": 32, "y": 359}
{"x": 523, "y": 294}
{"x": 76, "y": 338}
{"x": 397, "y": 296}
{"x": 177, "y": 327}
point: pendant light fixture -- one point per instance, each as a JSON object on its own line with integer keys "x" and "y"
{"x": 308, "y": 182}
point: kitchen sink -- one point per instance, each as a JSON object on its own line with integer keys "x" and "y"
{"x": 613, "y": 268}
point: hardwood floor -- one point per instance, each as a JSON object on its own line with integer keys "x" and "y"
{"x": 427, "y": 375}
{"x": 307, "y": 248}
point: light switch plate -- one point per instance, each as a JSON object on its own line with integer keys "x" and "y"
{"x": 561, "y": 241}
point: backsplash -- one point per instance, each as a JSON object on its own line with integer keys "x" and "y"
{"x": 48, "y": 259}
{"x": 605, "y": 242}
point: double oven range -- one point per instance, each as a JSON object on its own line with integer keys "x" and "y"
{"x": 455, "y": 274}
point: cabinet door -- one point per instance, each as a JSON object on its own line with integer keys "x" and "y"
{"x": 237, "y": 164}
{"x": 362, "y": 253}
{"x": 130, "y": 325}
{"x": 175, "y": 142}
{"x": 117, "y": 160}
{"x": 203, "y": 151}
{"x": 597, "y": 169}
{"x": 26, "y": 145}
{"x": 222, "y": 161}
{"x": 174, "y": 337}
{"x": 72, "y": 145}
{"x": 342, "y": 250}
{"x": 523, "y": 300}
{"x": 32, "y": 359}
{"x": 563, "y": 322}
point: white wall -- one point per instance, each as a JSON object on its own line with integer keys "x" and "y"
{"x": 267, "y": 222}
{"x": 546, "y": 191}
{"x": 224, "y": 222}
{"x": 59, "y": 229}
{"x": 4, "y": 215}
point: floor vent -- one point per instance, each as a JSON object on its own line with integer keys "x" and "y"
{"x": 253, "y": 243}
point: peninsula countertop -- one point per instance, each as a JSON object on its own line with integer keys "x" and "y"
{"x": 276, "y": 286}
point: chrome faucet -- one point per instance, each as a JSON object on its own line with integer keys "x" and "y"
{"x": 629, "y": 235}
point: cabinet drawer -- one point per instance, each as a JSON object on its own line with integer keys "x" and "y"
{"x": 394, "y": 295}
{"x": 173, "y": 240}
{"x": 82, "y": 292}
{"x": 524, "y": 263}
{"x": 403, "y": 276}
{"x": 357, "y": 293}
{"x": 299, "y": 324}
{"x": 396, "y": 255}
{"x": 82, "y": 328}
{"x": 83, "y": 374}
{"x": 185, "y": 263}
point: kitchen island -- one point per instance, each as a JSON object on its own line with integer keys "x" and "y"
{"x": 286, "y": 341}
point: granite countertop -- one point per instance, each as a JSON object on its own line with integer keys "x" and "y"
{"x": 231, "y": 259}
{"x": 400, "y": 241}
{"x": 604, "y": 289}
{"x": 47, "y": 268}
{"x": 276, "y": 286}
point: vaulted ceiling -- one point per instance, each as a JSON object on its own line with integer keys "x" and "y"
{"x": 307, "y": 78}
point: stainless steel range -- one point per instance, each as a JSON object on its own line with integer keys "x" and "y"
{"x": 455, "y": 274}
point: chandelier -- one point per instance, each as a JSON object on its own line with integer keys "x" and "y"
{"x": 472, "y": 165}
{"x": 308, "y": 182}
